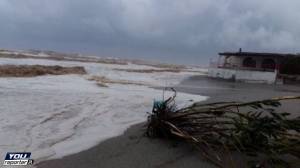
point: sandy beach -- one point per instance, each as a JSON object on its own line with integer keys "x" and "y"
{"x": 133, "y": 149}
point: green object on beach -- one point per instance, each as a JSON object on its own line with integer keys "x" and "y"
{"x": 157, "y": 104}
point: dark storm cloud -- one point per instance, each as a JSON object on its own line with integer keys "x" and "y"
{"x": 176, "y": 30}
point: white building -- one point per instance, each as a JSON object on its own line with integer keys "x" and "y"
{"x": 248, "y": 66}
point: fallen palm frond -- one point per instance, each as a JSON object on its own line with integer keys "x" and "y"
{"x": 252, "y": 128}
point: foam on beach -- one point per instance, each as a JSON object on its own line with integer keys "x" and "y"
{"x": 54, "y": 116}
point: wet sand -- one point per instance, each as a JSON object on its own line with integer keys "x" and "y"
{"x": 221, "y": 90}
{"x": 133, "y": 149}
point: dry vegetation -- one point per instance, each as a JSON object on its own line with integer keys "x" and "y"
{"x": 256, "y": 130}
{"x": 103, "y": 81}
{"x": 37, "y": 70}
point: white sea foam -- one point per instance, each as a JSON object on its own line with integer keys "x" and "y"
{"x": 54, "y": 116}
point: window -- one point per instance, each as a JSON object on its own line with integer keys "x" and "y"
{"x": 268, "y": 64}
{"x": 249, "y": 62}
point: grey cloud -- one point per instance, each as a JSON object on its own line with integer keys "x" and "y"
{"x": 189, "y": 31}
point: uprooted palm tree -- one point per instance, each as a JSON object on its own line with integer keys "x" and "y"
{"x": 252, "y": 128}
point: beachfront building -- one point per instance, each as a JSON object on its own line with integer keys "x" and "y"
{"x": 248, "y": 66}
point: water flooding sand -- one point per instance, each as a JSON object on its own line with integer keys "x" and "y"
{"x": 133, "y": 149}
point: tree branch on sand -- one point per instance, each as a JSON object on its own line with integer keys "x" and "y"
{"x": 256, "y": 129}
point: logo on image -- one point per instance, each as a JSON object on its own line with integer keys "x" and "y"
{"x": 17, "y": 159}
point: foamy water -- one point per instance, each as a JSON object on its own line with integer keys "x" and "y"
{"x": 54, "y": 116}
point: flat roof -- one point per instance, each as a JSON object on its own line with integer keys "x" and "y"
{"x": 256, "y": 54}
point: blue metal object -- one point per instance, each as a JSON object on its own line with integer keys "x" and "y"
{"x": 157, "y": 104}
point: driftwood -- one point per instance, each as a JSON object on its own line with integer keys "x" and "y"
{"x": 250, "y": 128}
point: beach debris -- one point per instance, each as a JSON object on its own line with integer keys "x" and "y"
{"x": 38, "y": 70}
{"x": 254, "y": 129}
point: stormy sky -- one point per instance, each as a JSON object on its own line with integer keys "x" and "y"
{"x": 177, "y": 31}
